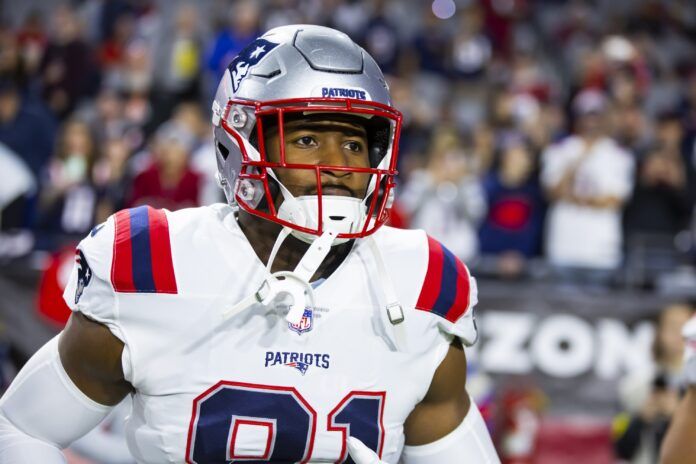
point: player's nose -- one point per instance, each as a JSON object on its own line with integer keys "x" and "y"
{"x": 333, "y": 154}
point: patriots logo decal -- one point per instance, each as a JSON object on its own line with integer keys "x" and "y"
{"x": 84, "y": 274}
{"x": 300, "y": 366}
{"x": 95, "y": 230}
{"x": 247, "y": 59}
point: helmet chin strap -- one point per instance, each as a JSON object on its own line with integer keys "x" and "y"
{"x": 289, "y": 287}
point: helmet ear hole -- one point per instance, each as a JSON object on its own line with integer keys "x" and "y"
{"x": 224, "y": 152}
{"x": 378, "y": 133}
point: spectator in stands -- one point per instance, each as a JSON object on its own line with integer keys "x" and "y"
{"x": 687, "y": 107}
{"x": 106, "y": 116}
{"x": 17, "y": 185}
{"x": 650, "y": 395}
{"x": 431, "y": 45}
{"x": 31, "y": 39}
{"x": 169, "y": 182}
{"x": 381, "y": 38}
{"x": 242, "y": 29}
{"x": 13, "y": 63}
{"x": 177, "y": 59}
{"x": 69, "y": 70}
{"x": 471, "y": 48}
{"x": 203, "y": 160}
{"x": 112, "y": 50}
{"x": 501, "y": 110}
{"x": 660, "y": 203}
{"x": 112, "y": 177}
{"x": 631, "y": 128}
{"x": 587, "y": 178}
{"x": 26, "y": 127}
{"x": 68, "y": 199}
{"x": 512, "y": 229}
{"x": 687, "y": 112}
{"x": 446, "y": 198}
{"x": 548, "y": 127}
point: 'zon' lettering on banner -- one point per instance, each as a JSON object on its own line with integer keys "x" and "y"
{"x": 561, "y": 345}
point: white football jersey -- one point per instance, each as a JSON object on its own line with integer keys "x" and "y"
{"x": 252, "y": 387}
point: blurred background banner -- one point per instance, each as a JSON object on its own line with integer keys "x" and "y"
{"x": 551, "y": 145}
{"x": 575, "y": 345}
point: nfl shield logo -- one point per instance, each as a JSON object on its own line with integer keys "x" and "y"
{"x": 305, "y": 324}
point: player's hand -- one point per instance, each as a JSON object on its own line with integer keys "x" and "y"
{"x": 361, "y": 454}
{"x": 689, "y": 332}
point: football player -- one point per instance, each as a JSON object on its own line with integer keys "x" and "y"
{"x": 288, "y": 325}
{"x": 679, "y": 445}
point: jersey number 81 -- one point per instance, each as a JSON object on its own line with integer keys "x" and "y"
{"x": 287, "y": 423}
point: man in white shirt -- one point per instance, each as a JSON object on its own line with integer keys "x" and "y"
{"x": 588, "y": 177}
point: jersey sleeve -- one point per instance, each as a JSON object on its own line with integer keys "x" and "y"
{"x": 89, "y": 289}
{"x": 449, "y": 293}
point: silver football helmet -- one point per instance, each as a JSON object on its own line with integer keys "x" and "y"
{"x": 302, "y": 70}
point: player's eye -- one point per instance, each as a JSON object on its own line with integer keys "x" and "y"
{"x": 352, "y": 145}
{"x": 305, "y": 141}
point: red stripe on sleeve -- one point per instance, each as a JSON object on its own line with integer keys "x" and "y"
{"x": 122, "y": 262}
{"x": 463, "y": 297}
{"x": 433, "y": 276}
{"x": 161, "y": 252}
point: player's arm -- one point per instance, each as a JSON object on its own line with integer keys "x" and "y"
{"x": 62, "y": 392}
{"x": 91, "y": 356}
{"x": 446, "y": 426}
{"x": 445, "y": 405}
{"x": 679, "y": 445}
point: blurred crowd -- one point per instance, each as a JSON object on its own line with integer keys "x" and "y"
{"x": 547, "y": 137}
{"x": 543, "y": 138}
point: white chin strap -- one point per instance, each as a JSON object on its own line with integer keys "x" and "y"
{"x": 290, "y": 288}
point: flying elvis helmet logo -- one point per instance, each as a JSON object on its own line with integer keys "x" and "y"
{"x": 248, "y": 58}
{"x": 84, "y": 274}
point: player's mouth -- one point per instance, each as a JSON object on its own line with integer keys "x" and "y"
{"x": 337, "y": 190}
